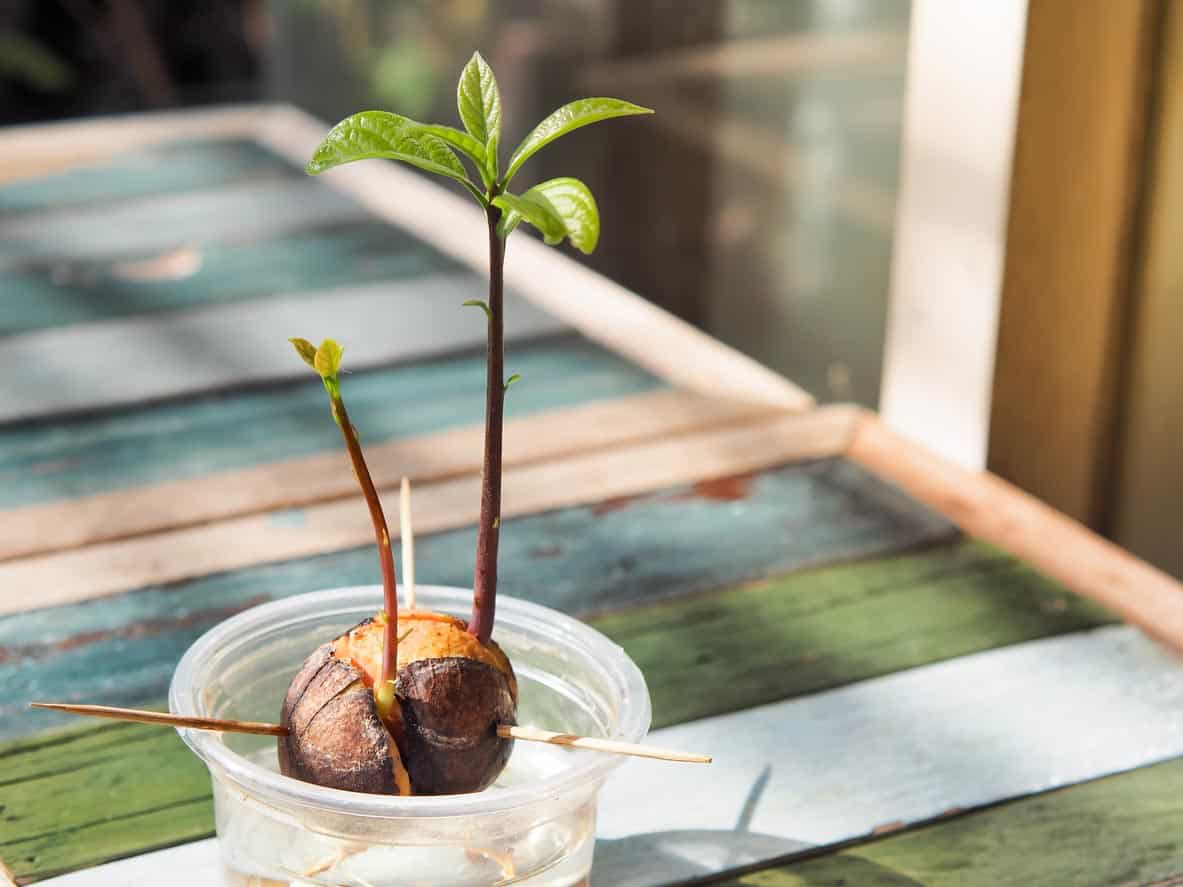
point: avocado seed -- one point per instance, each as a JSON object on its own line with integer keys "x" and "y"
{"x": 451, "y": 692}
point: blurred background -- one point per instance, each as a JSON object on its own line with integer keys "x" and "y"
{"x": 785, "y": 116}
{"x": 763, "y": 204}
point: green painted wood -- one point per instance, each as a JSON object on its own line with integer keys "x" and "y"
{"x": 89, "y": 795}
{"x": 122, "y": 649}
{"x": 41, "y": 294}
{"x": 1120, "y": 830}
{"x": 71, "y": 457}
{"x": 159, "y": 169}
{"x": 702, "y": 655}
{"x": 819, "y": 629}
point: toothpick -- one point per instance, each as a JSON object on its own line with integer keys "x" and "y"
{"x": 159, "y": 717}
{"x": 505, "y": 731}
{"x": 408, "y": 539}
{"x": 533, "y": 734}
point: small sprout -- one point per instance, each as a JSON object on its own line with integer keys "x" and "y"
{"x": 327, "y": 361}
{"x": 514, "y": 378}
{"x": 385, "y": 698}
{"x": 306, "y": 350}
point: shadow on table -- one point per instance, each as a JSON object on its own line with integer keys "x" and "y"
{"x": 678, "y": 856}
{"x": 675, "y": 857}
{"x": 661, "y": 858}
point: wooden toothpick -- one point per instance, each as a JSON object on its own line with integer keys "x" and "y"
{"x": 506, "y": 731}
{"x": 407, "y": 534}
{"x": 159, "y": 717}
{"x": 533, "y": 734}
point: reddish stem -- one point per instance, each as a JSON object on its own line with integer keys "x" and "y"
{"x": 484, "y": 602}
{"x": 381, "y": 535}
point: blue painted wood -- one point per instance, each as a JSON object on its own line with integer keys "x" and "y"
{"x": 122, "y": 649}
{"x": 158, "y": 169}
{"x": 141, "y": 225}
{"x": 58, "y": 293}
{"x": 67, "y": 458}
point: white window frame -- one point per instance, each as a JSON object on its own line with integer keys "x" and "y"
{"x": 965, "y": 61}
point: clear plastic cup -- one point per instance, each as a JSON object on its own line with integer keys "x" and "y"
{"x": 535, "y": 826}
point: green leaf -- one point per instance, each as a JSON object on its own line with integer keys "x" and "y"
{"x": 306, "y": 350}
{"x": 508, "y": 221}
{"x": 479, "y": 100}
{"x": 535, "y": 209}
{"x": 573, "y": 202}
{"x": 327, "y": 361}
{"x": 570, "y": 201}
{"x": 514, "y": 378}
{"x": 466, "y": 144}
{"x": 462, "y": 141}
{"x": 484, "y": 306}
{"x": 491, "y": 170}
{"x": 370, "y": 134}
{"x": 568, "y": 118}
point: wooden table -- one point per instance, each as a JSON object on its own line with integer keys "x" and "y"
{"x": 907, "y": 673}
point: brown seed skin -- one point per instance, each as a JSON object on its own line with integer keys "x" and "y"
{"x": 451, "y": 709}
{"x": 453, "y": 691}
{"x": 335, "y": 737}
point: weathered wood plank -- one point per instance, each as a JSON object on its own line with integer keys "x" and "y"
{"x": 893, "y": 614}
{"x": 815, "y": 630}
{"x": 86, "y": 367}
{"x": 591, "y": 477}
{"x": 122, "y": 649}
{"x": 1123, "y": 829}
{"x": 59, "y": 292}
{"x": 993, "y": 510}
{"x": 79, "y": 457}
{"x": 893, "y": 751}
{"x": 43, "y": 828}
{"x": 157, "y": 169}
{"x": 529, "y": 438}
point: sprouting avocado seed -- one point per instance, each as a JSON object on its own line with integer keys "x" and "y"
{"x": 441, "y": 738}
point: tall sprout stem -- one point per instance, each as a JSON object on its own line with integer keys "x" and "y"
{"x": 484, "y": 602}
{"x": 381, "y": 536}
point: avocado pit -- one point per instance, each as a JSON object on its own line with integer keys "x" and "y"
{"x": 451, "y": 692}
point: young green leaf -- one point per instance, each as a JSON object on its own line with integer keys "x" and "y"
{"x": 566, "y": 119}
{"x": 514, "y": 378}
{"x": 382, "y": 134}
{"x": 327, "y": 360}
{"x": 572, "y": 202}
{"x": 306, "y": 350}
{"x": 491, "y": 170}
{"x": 479, "y": 100}
{"x": 535, "y": 209}
{"x": 458, "y": 139}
